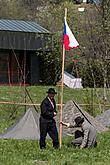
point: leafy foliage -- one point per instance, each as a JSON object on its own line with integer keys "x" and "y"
{"x": 91, "y": 29}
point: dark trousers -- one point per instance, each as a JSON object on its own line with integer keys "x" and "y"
{"x": 79, "y": 138}
{"x": 48, "y": 126}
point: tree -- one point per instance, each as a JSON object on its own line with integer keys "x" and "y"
{"x": 95, "y": 47}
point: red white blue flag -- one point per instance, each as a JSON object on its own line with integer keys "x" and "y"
{"x": 69, "y": 39}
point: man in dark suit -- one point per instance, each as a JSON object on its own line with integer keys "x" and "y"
{"x": 47, "y": 121}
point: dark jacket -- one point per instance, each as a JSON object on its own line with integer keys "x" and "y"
{"x": 47, "y": 110}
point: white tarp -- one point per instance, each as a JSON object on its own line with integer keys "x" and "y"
{"x": 71, "y": 81}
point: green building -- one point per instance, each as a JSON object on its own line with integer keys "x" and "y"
{"x": 20, "y": 42}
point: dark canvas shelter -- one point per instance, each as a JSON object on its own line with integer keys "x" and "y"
{"x": 104, "y": 118}
{"x": 20, "y": 42}
{"x": 27, "y": 127}
{"x": 71, "y": 110}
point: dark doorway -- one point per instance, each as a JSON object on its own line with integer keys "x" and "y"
{"x": 19, "y": 68}
{"x": 13, "y": 68}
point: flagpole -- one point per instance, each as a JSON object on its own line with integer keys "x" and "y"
{"x": 62, "y": 82}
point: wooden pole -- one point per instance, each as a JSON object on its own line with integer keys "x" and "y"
{"x": 62, "y": 82}
{"x": 9, "y": 78}
{"x": 24, "y": 78}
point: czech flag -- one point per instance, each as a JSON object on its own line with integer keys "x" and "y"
{"x": 69, "y": 39}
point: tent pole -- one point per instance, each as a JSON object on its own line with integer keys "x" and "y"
{"x": 9, "y": 78}
{"x": 62, "y": 83}
{"x": 24, "y": 79}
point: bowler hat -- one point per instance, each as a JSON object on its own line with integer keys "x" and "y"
{"x": 79, "y": 120}
{"x": 51, "y": 91}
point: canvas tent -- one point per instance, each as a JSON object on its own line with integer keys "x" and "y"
{"x": 71, "y": 110}
{"x": 28, "y": 125}
{"x": 26, "y": 128}
{"x": 104, "y": 118}
{"x": 71, "y": 81}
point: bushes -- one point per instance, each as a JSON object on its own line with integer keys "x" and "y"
{"x": 50, "y": 67}
{"x": 94, "y": 72}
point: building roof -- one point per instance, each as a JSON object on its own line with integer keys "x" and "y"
{"x": 21, "y": 26}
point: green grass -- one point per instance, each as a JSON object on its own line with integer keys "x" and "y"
{"x": 37, "y": 93}
{"x": 20, "y": 152}
{"x": 24, "y": 152}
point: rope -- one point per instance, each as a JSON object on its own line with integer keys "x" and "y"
{"x": 38, "y": 104}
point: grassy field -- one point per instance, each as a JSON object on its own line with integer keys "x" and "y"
{"x": 19, "y": 152}
{"x": 22, "y": 152}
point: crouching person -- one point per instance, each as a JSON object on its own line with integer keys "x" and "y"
{"x": 85, "y": 138}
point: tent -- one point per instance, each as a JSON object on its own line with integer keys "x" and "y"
{"x": 104, "y": 118}
{"x": 71, "y": 110}
{"x": 71, "y": 81}
{"x": 25, "y": 128}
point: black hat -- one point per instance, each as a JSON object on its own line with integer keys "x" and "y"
{"x": 51, "y": 91}
{"x": 79, "y": 120}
